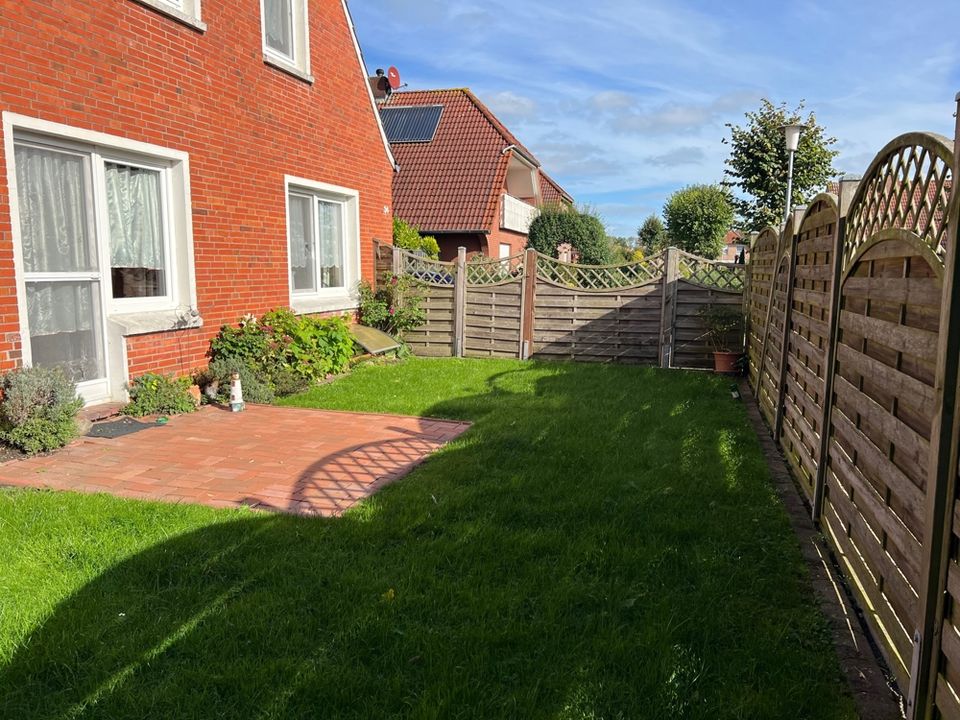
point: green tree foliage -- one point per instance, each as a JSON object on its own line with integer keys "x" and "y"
{"x": 652, "y": 235}
{"x": 408, "y": 237}
{"x": 622, "y": 249}
{"x": 581, "y": 228}
{"x": 758, "y": 163}
{"x": 697, "y": 218}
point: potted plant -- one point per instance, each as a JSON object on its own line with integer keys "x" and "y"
{"x": 724, "y": 326}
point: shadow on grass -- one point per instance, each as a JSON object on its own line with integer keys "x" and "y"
{"x": 602, "y": 543}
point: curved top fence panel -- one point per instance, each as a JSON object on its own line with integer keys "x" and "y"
{"x": 730, "y": 277}
{"x": 486, "y": 271}
{"x": 427, "y": 270}
{"x": 906, "y": 187}
{"x": 600, "y": 277}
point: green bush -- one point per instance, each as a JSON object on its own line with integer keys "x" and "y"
{"x": 219, "y": 374}
{"x": 154, "y": 394}
{"x": 408, "y": 237}
{"x": 395, "y": 305}
{"x": 38, "y": 410}
{"x": 584, "y": 231}
{"x": 279, "y": 354}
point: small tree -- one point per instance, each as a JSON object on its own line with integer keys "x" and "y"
{"x": 583, "y": 230}
{"x": 652, "y": 235}
{"x": 697, "y": 219}
{"x": 758, "y": 163}
{"x": 408, "y": 237}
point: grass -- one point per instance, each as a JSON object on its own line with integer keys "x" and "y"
{"x": 603, "y": 543}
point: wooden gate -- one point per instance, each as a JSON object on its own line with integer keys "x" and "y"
{"x": 494, "y": 295}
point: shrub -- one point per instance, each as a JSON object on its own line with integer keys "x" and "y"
{"x": 154, "y": 394}
{"x": 219, "y": 374}
{"x": 723, "y": 323}
{"x": 395, "y": 305}
{"x": 279, "y": 354}
{"x": 557, "y": 224}
{"x": 38, "y": 410}
{"x": 408, "y": 237}
{"x": 697, "y": 218}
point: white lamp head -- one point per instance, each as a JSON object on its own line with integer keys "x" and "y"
{"x": 792, "y": 135}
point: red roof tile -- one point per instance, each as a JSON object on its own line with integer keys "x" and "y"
{"x": 453, "y": 183}
{"x": 551, "y": 193}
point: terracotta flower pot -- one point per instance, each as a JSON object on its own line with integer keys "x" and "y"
{"x": 725, "y": 362}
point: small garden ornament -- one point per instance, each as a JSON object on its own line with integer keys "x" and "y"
{"x": 236, "y": 393}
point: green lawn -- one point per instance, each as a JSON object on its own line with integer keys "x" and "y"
{"x": 603, "y": 543}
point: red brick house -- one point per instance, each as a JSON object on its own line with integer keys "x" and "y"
{"x": 170, "y": 165}
{"x": 463, "y": 177}
{"x": 733, "y": 244}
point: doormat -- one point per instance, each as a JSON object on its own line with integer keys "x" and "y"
{"x": 118, "y": 428}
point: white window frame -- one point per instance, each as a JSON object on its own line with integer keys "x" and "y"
{"x": 327, "y": 299}
{"x": 299, "y": 64}
{"x": 179, "y": 309}
{"x": 184, "y": 11}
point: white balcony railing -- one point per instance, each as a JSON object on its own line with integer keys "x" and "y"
{"x": 517, "y": 215}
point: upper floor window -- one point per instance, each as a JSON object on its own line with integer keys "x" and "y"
{"x": 186, "y": 11}
{"x": 286, "y": 36}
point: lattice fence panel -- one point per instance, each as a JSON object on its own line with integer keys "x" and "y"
{"x": 879, "y": 443}
{"x": 435, "y": 338}
{"x": 486, "y": 271}
{"x": 807, "y": 342}
{"x": 908, "y": 187}
{"x": 600, "y": 277}
{"x": 428, "y": 271}
{"x": 711, "y": 274}
{"x": 763, "y": 256}
{"x": 769, "y": 379}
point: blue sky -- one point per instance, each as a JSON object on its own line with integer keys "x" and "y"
{"x": 625, "y": 102}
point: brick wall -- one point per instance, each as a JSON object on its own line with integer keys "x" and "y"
{"x": 118, "y": 67}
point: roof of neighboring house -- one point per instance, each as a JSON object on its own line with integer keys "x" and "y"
{"x": 732, "y": 237}
{"x": 550, "y": 192}
{"x": 452, "y": 183}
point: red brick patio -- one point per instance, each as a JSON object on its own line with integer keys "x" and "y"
{"x": 309, "y": 462}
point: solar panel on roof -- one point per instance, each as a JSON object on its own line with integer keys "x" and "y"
{"x": 411, "y": 124}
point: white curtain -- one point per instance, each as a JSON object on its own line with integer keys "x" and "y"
{"x": 60, "y": 307}
{"x": 331, "y": 244}
{"x": 52, "y": 197}
{"x": 133, "y": 209}
{"x": 279, "y": 25}
{"x": 301, "y": 242}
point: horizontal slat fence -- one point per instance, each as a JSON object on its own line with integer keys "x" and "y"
{"x": 531, "y": 305}
{"x": 854, "y": 352}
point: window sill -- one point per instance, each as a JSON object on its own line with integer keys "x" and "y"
{"x": 288, "y": 68}
{"x": 310, "y": 305}
{"x": 141, "y": 323}
{"x": 181, "y": 17}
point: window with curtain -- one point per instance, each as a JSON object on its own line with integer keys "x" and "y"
{"x": 278, "y": 27}
{"x": 316, "y": 241}
{"x": 302, "y": 256}
{"x": 135, "y": 221}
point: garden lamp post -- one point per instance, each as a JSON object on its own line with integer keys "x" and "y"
{"x": 791, "y": 133}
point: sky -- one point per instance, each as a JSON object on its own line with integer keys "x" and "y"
{"x": 624, "y": 102}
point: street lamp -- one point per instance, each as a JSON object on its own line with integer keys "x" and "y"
{"x": 791, "y": 133}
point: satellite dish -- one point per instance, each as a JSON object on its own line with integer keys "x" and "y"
{"x": 393, "y": 77}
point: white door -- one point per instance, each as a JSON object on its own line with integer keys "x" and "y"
{"x": 62, "y": 275}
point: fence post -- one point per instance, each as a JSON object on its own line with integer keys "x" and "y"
{"x": 798, "y": 214}
{"x": 528, "y": 298}
{"x": 397, "y": 260}
{"x": 848, "y": 188}
{"x": 668, "y": 306}
{"x": 942, "y": 470}
{"x": 460, "y": 302}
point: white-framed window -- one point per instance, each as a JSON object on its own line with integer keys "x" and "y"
{"x": 185, "y": 11}
{"x": 103, "y": 246}
{"x": 323, "y": 235}
{"x": 505, "y": 250}
{"x": 286, "y": 36}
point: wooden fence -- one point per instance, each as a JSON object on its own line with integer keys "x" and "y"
{"x": 854, "y": 348}
{"x": 533, "y": 306}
